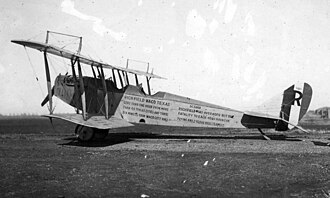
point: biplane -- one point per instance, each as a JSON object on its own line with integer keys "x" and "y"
{"x": 109, "y": 99}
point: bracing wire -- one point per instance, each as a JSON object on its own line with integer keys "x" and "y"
{"x": 34, "y": 71}
{"x": 89, "y": 47}
{"x": 51, "y": 64}
{"x": 65, "y": 65}
{"x": 53, "y": 37}
{"x": 71, "y": 43}
{"x": 35, "y": 36}
{"x": 50, "y": 60}
{"x": 61, "y": 42}
{"x": 61, "y": 63}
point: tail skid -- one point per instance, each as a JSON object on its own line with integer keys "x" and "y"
{"x": 296, "y": 126}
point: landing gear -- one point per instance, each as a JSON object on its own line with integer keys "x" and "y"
{"x": 100, "y": 134}
{"x": 86, "y": 134}
{"x": 263, "y": 134}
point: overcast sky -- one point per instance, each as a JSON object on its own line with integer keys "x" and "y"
{"x": 227, "y": 52}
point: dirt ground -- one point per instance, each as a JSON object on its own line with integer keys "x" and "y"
{"x": 41, "y": 160}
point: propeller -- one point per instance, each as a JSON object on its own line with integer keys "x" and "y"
{"x": 47, "y": 97}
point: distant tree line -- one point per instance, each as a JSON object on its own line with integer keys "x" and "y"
{"x": 23, "y": 115}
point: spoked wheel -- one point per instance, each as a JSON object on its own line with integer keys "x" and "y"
{"x": 84, "y": 133}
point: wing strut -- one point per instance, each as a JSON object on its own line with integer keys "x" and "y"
{"x": 121, "y": 80}
{"x": 125, "y": 77}
{"x": 82, "y": 92}
{"x": 73, "y": 62}
{"x": 114, "y": 77}
{"x": 106, "y": 101}
{"x": 148, "y": 84}
{"x": 136, "y": 80}
{"x": 49, "y": 84}
{"x": 93, "y": 71}
{"x": 148, "y": 80}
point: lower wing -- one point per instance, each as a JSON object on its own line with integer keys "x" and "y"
{"x": 98, "y": 122}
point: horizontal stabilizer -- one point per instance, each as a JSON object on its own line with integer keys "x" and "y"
{"x": 259, "y": 120}
{"x": 258, "y": 114}
{"x": 98, "y": 122}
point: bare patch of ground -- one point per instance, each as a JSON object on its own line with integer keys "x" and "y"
{"x": 37, "y": 160}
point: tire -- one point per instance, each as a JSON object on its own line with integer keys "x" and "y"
{"x": 84, "y": 133}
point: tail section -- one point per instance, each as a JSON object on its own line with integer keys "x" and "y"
{"x": 295, "y": 103}
{"x": 282, "y": 112}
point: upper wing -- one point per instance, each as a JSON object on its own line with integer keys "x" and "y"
{"x": 44, "y": 47}
{"x": 95, "y": 121}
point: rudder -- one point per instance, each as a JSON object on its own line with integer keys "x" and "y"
{"x": 295, "y": 103}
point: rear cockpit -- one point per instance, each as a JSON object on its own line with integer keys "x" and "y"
{"x": 68, "y": 89}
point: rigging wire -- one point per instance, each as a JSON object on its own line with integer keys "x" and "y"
{"x": 93, "y": 50}
{"x": 71, "y": 43}
{"x": 40, "y": 32}
{"x": 64, "y": 42}
{"x": 54, "y": 37}
{"x": 51, "y": 64}
{"x": 60, "y": 62}
{"x": 34, "y": 71}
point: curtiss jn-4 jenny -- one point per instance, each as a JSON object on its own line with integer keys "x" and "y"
{"x": 117, "y": 101}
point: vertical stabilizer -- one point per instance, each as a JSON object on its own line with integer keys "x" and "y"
{"x": 295, "y": 103}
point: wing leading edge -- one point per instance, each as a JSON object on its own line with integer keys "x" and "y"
{"x": 44, "y": 47}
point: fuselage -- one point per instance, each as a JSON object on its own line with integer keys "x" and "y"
{"x": 134, "y": 105}
{"x": 168, "y": 109}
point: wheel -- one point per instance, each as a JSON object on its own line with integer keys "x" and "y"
{"x": 101, "y": 133}
{"x": 84, "y": 133}
{"x": 78, "y": 128}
